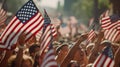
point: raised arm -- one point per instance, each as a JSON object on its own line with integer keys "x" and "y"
{"x": 94, "y": 52}
{"x": 71, "y": 53}
{"x": 19, "y": 57}
{"x": 117, "y": 58}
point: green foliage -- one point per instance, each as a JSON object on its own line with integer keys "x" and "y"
{"x": 83, "y": 9}
{"x": 14, "y": 5}
{"x": 103, "y": 3}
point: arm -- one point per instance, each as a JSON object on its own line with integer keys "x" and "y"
{"x": 71, "y": 53}
{"x": 117, "y": 58}
{"x": 4, "y": 62}
{"x": 94, "y": 52}
{"x": 19, "y": 57}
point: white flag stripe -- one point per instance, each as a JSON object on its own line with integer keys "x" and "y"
{"x": 36, "y": 29}
{"x": 47, "y": 34}
{"x": 45, "y": 38}
{"x": 30, "y": 22}
{"x": 10, "y": 30}
{"x": 105, "y": 19}
{"x": 96, "y": 61}
{"x": 48, "y": 53}
{"x": 34, "y": 24}
{"x": 115, "y": 36}
{"x": 48, "y": 59}
{"x": 112, "y": 64}
{"x": 7, "y": 27}
{"x": 113, "y": 25}
{"x": 7, "y": 36}
{"x": 111, "y": 34}
{"x": 13, "y": 34}
{"x": 107, "y": 62}
{"x": 91, "y": 35}
{"x": 50, "y": 64}
{"x": 46, "y": 43}
{"x": 101, "y": 61}
{"x": 27, "y": 20}
{"x": 15, "y": 23}
{"x": 32, "y": 27}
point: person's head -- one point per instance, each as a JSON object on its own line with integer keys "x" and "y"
{"x": 63, "y": 49}
{"x": 33, "y": 49}
{"x": 31, "y": 41}
{"x": 73, "y": 64}
{"x": 79, "y": 55}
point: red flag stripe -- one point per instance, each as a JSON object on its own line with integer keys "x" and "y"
{"x": 38, "y": 22}
{"x": 111, "y": 34}
{"x": 19, "y": 30}
{"x": 97, "y": 61}
{"x": 49, "y": 59}
{"x": 32, "y": 25}
{"x": 103, "y": 61}
{"x": 46, "y": 35}
{"x": 91, "y": 35}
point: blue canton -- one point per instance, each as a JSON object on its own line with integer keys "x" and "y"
{"x": 46, "y": 18}
{"x": 47, "y": 21}
{"x": 27, "y": 11}
{"x": 108, "y": 52}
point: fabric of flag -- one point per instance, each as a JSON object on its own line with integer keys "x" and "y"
{"x": 91, "y": 35}
{"x": 54, "y": 31}
{"x": 112, "y": 35}
{"x": 105, "y": 59}
{"x": 27, "y": 20}
{"x": 110, "y": 22}
{"x": 111, "y": 25}
{"x": 3, "y": 16}
{"x": 48, "y": 30}
{"x": 49, "y": 59}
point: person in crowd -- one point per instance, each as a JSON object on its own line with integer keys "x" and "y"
{"x": 89, "y": 48}
{"x": 73, "y": 63}
{"x": 80, "y": 56}
{"x": 62, "y": 51}
{"x": 72, "y": 51}
{"x": 33, "y": 51}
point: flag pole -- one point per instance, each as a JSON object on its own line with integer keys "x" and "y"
{"x": 4, "y": 1}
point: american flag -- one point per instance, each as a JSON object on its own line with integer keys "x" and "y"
{"x": 49, "y": 59}
{"x": 48, "y": 30}
{"x": 3, "y": 16}
{"x": 105, "y": 59}
{"x": 111, "y": 25}
{"x": 112, "y": 35}
{"x": 91, "y": 35}
{"x": 109, "y": 22}
{"x": 27, "y": 20}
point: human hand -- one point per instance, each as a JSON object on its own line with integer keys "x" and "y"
{"x": 83, "y": 37}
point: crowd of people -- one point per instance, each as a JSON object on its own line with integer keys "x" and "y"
{"x": 71, "y": 48}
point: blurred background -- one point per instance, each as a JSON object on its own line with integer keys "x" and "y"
{"x": 83, "y": 10}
